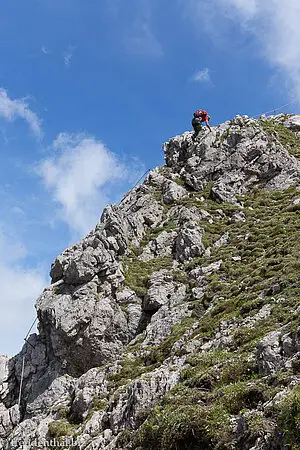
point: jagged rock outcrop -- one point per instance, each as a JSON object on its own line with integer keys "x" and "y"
{"x": 174, "y": 323}
{"x": 236, "y": 156}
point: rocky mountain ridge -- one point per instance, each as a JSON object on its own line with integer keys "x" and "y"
{"x": 174, "y": 323}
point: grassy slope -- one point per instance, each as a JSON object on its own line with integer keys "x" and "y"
{"x": 223, "y": 386}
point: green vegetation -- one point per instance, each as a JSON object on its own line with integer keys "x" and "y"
{"x": 161, "y": 352}
{"x": 180, "y": 276}
{"x": 268, "y": 248}
{"x": 287, "y": 138}
{"x": 219, "y": 385}
{"x": 151, "y": 235}
{"x": 60, "y": 428}
{"x": 98, "y": 404}
{"x": 256, "y": 422}
{"x": 179, "y": 181}
{"x": 239, "y": 396}
{"x": 184, "y": 426}
{"x": 261, "y": 265}
{"x": 131, "y": 369}
{"x": 63, "y": 412}
{"x": 158, "y": 196}
{"x": 137, "y": 272}
{"x": 289, "y": 418}
{"x": 199, "y": 408}
{"x": 218, "y": 368}
{"x": 124, "y": 438}
{"x": 62, "y": 432}
{"x": 224, "y": 135}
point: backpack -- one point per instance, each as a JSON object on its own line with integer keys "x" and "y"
{"x": 202, "y": 112}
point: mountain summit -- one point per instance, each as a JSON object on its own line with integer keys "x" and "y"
{"x": 174, "y": 324}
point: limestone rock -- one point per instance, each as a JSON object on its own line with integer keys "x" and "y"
{"x": 162, "y": 322}
{"x": 5, "y": 373}
{"x": 269, "y": 353}
{"x": 293, "y": 122}
{"x": 172, "y": 192}
{"x": 139, "y": 306}
{"x": 189, "y": 242}
{"x": 246, "y": 157}
{"x": 83, "y": 328}
{"x": 183, "y": 214}
{"x": 9, "y": 419}
{"x": 89, "y": 389}
{"x": 162, "y": 290}
{"x": 140, "y": 395}
{"x": 160, "y": 247}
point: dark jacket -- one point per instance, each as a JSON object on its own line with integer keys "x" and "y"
{"x": 197, "y": 123}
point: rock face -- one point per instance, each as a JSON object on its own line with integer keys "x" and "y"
{"x": 173, "y": 324}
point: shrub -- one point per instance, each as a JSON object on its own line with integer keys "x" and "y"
{"x": 185, "y": 427}
{"x": 59, "y": 428}
{"x": 289, "y": 418}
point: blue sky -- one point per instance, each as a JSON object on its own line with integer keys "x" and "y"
{"x": 90, "y": 89}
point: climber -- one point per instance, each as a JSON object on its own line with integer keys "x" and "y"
{"x": 200, "y": 116}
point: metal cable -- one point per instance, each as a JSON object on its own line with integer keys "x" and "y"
{"x": 25, "y": 339}
{"x": 23, "y": 362}
{"x": 140, "y": 179}
{"x": 276, "y": 109}
{"x": 21, "y": 382}
{"x": 128, "y": 192}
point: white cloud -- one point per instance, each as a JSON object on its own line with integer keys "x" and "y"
{"x": 10, "y": 250}
{"x": 18, "y": 108}
{"x": 19, "y": 288}
{"x": 77, "y": 178}
{"x": 202, "y": 76}
{"x": 68, "y": 55}
{"x": 246, "y": 9}
{"x": 45, "y": 50}
{"x": 141, "y": 41}
{"x": 274, "y": 24}
{"x": 18, "y": 210}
